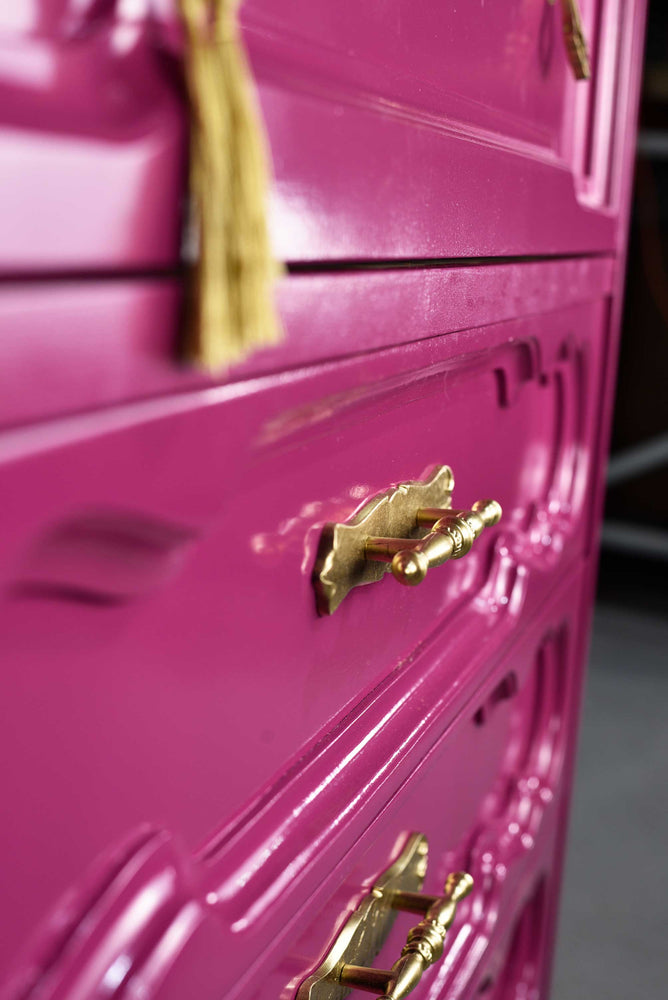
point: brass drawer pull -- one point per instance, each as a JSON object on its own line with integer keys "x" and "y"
{"x": 408, "y": 529}
{"x": 574, "y": 36}
{"x": 452, "y": 534}
{"x": 424, "y": 944}
{"x": 364, "y": 933}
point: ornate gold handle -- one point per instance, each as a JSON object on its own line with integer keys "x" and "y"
{"x": 452, "y": 534}
{"x": 574, "y": 36}
{"x": 407, "y": 529}
{"x": 424, "y": 944}
{"x": 348, "y": 963}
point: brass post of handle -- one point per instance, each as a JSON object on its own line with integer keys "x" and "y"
{"x": 424, "y": 943}
{"x": 452, "y": 534}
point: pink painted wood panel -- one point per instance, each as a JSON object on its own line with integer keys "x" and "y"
{"x": 141, "y": 546}
{"x": 483, "y": 146}
{"x": 86, "y": 345}
{"x": 480, "y": 776}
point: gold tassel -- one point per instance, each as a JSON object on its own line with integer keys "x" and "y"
{"x": 231, "y": 307}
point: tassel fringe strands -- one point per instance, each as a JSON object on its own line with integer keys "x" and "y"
{"x": 231, "y": 307}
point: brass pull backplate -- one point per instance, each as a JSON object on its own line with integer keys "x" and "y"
{"x": 575, "y": 39}
{"x": 406, "y": 530}
{"x": 366, "y": 929}
{"x": 348, "y": 963}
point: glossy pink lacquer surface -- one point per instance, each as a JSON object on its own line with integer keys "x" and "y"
{"x": 201, "y": 776}
{"x": 87, "y": 344}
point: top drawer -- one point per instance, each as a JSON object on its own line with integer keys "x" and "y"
{"x": 404, "y": 130}
{"x": 397, "y": 130}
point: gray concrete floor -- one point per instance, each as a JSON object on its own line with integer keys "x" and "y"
{"x": 614, "y": 915}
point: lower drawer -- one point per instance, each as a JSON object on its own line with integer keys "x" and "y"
{"x": 490, "y": 795}
{"x": 254, "y": 912}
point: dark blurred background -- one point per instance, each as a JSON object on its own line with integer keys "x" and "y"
{"x": 614, "y": 916}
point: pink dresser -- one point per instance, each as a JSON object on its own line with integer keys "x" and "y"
{"x": 227, "y": 765}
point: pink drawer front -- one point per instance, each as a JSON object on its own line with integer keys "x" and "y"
{"x": 253, "y": 912}
{"x": 71, "y": 346}
{"x": 490, "y": 797}
{"x": 396, "y": 133}
{"x": 164, "y": 660}
{"x": 442, "y": 130}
